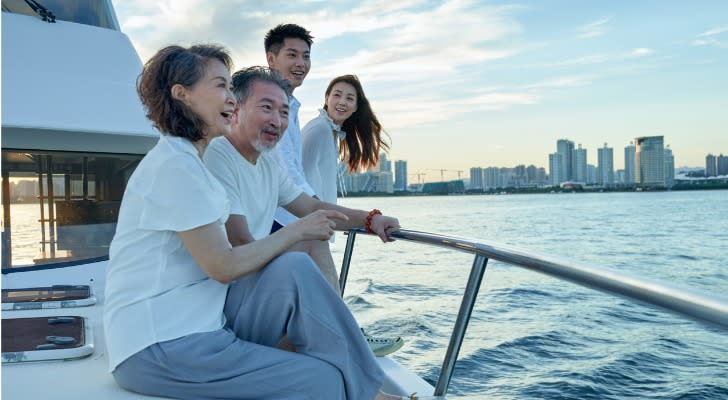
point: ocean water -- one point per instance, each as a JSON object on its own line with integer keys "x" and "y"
{"x": 532, "y": 336}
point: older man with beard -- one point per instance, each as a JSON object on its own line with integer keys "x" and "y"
{"x": 256, "y": 184}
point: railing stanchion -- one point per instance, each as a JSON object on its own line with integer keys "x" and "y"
{"x": 461, "y": 324}
{"x": 351, "y": 236}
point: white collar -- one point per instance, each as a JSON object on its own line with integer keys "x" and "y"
{"x": 335, "y": 128}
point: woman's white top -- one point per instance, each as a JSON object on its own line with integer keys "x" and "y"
{"x": 154, "y": 289}
{"x": 320, "y": 155}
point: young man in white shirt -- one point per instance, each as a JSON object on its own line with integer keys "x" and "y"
{"x": 288, "y": 51}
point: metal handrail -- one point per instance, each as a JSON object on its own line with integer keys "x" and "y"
{"x": 708, "y": 308}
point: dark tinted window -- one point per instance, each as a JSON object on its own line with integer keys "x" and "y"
{"x": 60, "y": 206}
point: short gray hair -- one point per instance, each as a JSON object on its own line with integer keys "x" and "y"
{"x": 243, "y": 80}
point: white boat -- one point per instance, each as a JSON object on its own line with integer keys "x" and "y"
{"x": 72, "y": 124}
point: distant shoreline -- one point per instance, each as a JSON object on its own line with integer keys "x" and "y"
{"x": 549, "y": 190}
{"x": 554, "y": 190}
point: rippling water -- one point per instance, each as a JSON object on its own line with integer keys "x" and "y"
{"x": 532, "y": 336}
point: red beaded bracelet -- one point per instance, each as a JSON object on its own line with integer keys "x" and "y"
{"x": 368, "y": 220}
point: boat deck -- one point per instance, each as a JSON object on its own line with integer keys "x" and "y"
{"x": 89, "y": 377}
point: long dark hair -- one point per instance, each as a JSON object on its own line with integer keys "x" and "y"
{"x": 170, "y": 66}
{"x": 360, "y": 150}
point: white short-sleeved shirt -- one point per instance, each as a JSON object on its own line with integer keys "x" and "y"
{"x": 154, "y": 289}
{"x": 254, "y": 190}
{"x": 288, "y": 154}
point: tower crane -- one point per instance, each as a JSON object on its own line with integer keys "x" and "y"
{"x": 442, "y": 172}
{"x": 419, "y": 176}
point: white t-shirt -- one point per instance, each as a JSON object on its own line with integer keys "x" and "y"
{"x": 254, "y": 190}
{"x": 154, "y": 289}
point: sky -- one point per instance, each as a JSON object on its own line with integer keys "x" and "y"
{"x": 460, "y": 84}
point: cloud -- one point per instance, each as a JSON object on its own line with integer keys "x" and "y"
{"x": 566, "y": 81}
{"x": 714, "y": 31}
{"x": 641, "y": 52}
{"x": 406, "y": 48}
{"x": 598, "y": 58}
{"x": 408, "y": 112}
{"x": 708, "y": 38}
{"x": 593, "y": 29}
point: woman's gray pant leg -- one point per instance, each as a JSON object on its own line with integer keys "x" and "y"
{"x": 218, "y": 365}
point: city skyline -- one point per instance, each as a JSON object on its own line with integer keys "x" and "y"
{"x": 501, "y": 88}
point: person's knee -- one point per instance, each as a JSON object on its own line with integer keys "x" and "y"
{"x": 291, "y": 263}
{"x": 294, "y": 268}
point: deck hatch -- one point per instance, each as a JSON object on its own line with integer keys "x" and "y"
{"x": 57, "y": 296}
{"x": 45, "y": 338}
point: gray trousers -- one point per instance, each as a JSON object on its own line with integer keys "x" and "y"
{"x": 288, "y": 297}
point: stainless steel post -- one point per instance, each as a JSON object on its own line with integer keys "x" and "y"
{"x": 461, "y": 324}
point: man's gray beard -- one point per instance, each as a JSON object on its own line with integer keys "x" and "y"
{"x": 260, "y": 148}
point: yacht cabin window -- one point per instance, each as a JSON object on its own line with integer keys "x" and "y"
{"x": 60, "y": 207}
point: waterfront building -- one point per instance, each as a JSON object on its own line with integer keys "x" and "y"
{"x": 649, "y": 161}
{"x": 711, "y": 165}
{"x": 541, "y": 176}
{"x": 619, "y": 177}
{"x": 555, "y": 169}
{"x": 605, "y": 166}
{"x": 384, "y": 165}
{"x": 491, "y": 178}
{"x": 520, "y": 178}
{"x": 565, "y": 148}
{"x": 591, "y": 174}
{"x": 579, "y": 170}
{"x": 384, "y": 182}
{"x": 669, "y": 168}
{"x": 400, "y": 175}
{"x": 722, "y": 165}
{"x": 629, "y": 164}
{"x": 507, "y": 177}
{"x": 476, "y": 178}
{"x": 371, "y": 182}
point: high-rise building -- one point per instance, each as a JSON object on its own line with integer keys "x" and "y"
{"x": 532, "y": 174}
{"x": 649, "y": 161}
{"x": 491, "y": 178}
{"x": 591, "y": 173}
{"x": 555, "y": 169}
{"x": 722, "y": 165}
{"x": 384, "y": 182}
{"x": 629, "y": 164}
{"x": 711, "y": 165}
{"x": 605, "y": 166}
{"x": 669, "y": 168}
{"x": 579, "y": 170}
{"x": 400, "y": 175}
{"x": 565, "y": 148}
{"x": 476, "y": 178}
{"x": 384, "y": 165}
